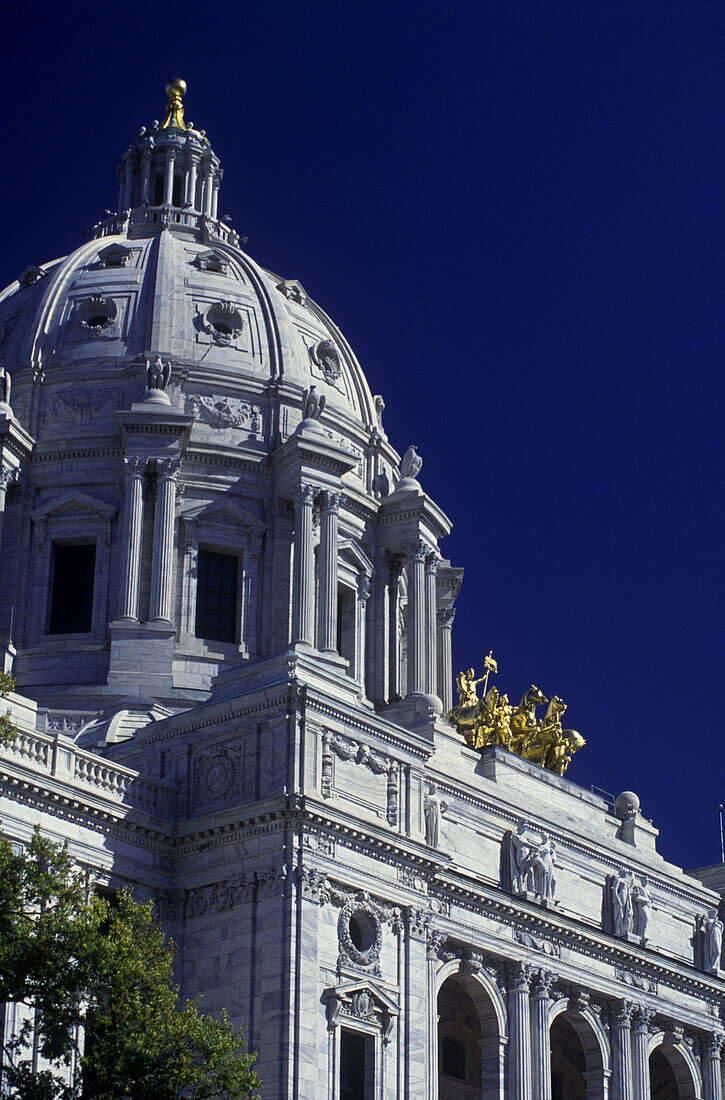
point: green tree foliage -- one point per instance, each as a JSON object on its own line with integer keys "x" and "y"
{"x": 99, "y": 979}
{"x": 8, "y": 731}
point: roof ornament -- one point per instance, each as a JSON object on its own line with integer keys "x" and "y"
{"x": 493, "y": 721}
{"x": 175, "y": 90}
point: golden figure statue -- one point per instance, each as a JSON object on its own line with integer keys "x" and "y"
{"x": 493, "y": 721}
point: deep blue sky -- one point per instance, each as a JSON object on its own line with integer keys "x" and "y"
{"x": 514, "y": 210}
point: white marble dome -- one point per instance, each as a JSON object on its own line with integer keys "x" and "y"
{"x": 170, "y": 400}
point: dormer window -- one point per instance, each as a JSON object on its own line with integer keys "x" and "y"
{"x": 212, "y": 261}
{"x": 31, "y": 275}
{"x": 115, "y": 255}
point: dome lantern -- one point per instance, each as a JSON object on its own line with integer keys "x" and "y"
{"x": 170, "y": 165}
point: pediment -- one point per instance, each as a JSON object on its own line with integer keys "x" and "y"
{"x": 349, "y": 989}
{"x": 67, "y": 503}
{"x": 355, "y": 556}
{"x": 114, "y": 255}
{"x": 223, "y": 511}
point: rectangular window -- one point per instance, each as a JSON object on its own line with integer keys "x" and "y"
{"x": 71, "y": 608}
{"x": 355, "y": 1056}
{"x": 216, "y": 596}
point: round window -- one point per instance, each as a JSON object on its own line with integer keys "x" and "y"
{"x": 362, "y": 930}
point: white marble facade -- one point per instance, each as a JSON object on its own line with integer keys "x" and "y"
{"x": 341, "y": 872}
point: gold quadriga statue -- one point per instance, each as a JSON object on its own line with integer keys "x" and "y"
{"x": 491, "y": 720}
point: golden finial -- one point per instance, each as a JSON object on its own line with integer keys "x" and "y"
{"x": 175, "y": 89}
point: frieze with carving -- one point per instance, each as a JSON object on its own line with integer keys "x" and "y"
{"x": 217, "y": 776}
{"x": 81, "y": 403}
{"x": 346, "y": 748}
{"x": 225, "y": 412}
{"x": 537, "y": 943}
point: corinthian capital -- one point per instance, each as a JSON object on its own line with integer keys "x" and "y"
{"x": 432, "y": 562}
{"x": 304, "y": 495}
{"x": 416, "y": 550}
{"x": 168, "y": 468}
{"x": 329, "y": 501}
{"x": 445, "y": 617}
{"x": 7, "y": 477}
{"x": 133, "y": 465}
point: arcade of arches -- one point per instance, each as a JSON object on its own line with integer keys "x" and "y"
{"x": 540, "y": 1043}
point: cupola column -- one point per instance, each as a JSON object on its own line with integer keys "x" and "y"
{"x": 519, "y": 1045}
{"x": 444, "y": 619}
{"x": 327, "y": 612}
{"x": 416, "y": 552}
{"x": 303, "y": 584}
{"x": 711, "y": 1067}
{"x": 128, "y": 186}
{"x": 161, "y": 567}
{"x": 191, "y": 179}
{"x": 215, "y": 194}
{"x": 621, "y": 1020}
{"x": 169, "y": 177}
{"x": 541, "y": 994}
{"x": 432, "y": 564}
{"x": 145, "y": 177}
{"x": 208, "y": 197}
{"x": 132, "y": 525}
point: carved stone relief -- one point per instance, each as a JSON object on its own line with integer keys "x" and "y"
{"x": 217, "y": 776}
{"x": 81, "y": 404}
{"x": 225, "y": 412}
{"x": 359, "y": 753}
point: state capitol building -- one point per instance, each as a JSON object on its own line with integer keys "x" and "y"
{"x": 226, "y": 604}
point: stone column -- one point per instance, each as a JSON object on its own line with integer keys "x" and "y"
{"x": 128, "y": 187}
{"x": 162, "y": 563}
{"x": 381, "y": 628}
{"x": 132, "y": 528}
{"x": 640, "y": 1052}
{"x": 208, "y": 198}
{"x": 169, "y": 177}
{"x": 416, "y": 552}
{"x": 519, "y": 1047}
{"x": 361, "y": 606}
{"x": 215, "y": 195}
{"x": 621, "y": 1040}
{"x": 541, "y": 994}
{"x": 191, "y": 180}
{"x": 711, "y": 1067}
{"x": 303, "y": 584}
{"x": 444, "y": 622}
{"x": 7, "y": 477}
{"x": 432, "y": 564}
{"x": 395, "y": 687}
{"x": 145, "y": 177}
{"x": 327, "y": 610}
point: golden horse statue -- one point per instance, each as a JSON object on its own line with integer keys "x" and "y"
{"x": 492, "y": 721}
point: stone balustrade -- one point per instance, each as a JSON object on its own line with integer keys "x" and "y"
{"x": 49, "y": 755}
